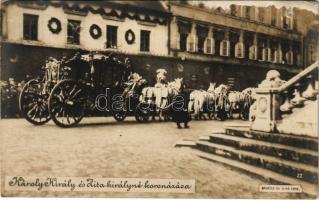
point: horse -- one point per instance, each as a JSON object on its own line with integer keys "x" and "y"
{"x": 209, "y": 104}
{"x": 241, "y": 102}
{"x": 148, "y": 97}
{"x": 201, "y": 101}
{"x": 196, "y": 103}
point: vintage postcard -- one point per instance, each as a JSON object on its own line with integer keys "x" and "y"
{"x": 159, "y": 99}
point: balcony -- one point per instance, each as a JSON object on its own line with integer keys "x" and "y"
{"x": 195, "y": 56}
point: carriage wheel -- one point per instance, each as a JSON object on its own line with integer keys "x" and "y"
{"x": 141, "y": 115}
{"x": 33, "y": 103}
{"x": 120, "y": 115}
{"x": 67, "y": 103}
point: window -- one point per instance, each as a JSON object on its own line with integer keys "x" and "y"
{"x": 233, "y": 10}
{"x": 111, "y": 37}
{"x": 145, "y": 40}
{"x": 210, "y": 46}
{"x": 247, "y": 12}
{"x": 224, "y": 48}
{"x": 285, "y": 22}
{"x": 192, "y": 44}
{"x": 261, "y": 14}
{"x": 73, "y": 32}
{"x": 200, "y": 44}
{"x": 239, "y": 50}
{"x": 289, "y": 57}
{"x": 253, "y": 52}
{"x": 30, "y": 27}
{"x": 183, "y": 41}
{"x": 273, "y": 16}
{"x": 290, "y": 18}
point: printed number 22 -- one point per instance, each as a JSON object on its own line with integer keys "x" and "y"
{"x": 299, "y": 175}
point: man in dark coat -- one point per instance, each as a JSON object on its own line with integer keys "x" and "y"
{"x": 179, "y": 108}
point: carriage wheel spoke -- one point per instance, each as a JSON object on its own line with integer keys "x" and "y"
{"x": 35, "y": 113}
{"x": 67, "y": 118}
{"x": 76, "y": 93}
{"x": 31, "y": 110}
{"x": 30, "y": 105}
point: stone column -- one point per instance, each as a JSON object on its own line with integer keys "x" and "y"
{"x": 174, "y": 34}
{"x": 255, "y": 45}
{"x": 278, "y": 57}
{"x": 266, "y": 110}
{"x": 291, "y": 54}
{"x": 267, "y": 51}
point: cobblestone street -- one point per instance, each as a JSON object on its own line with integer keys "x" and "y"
{"x": 101, "y": 147}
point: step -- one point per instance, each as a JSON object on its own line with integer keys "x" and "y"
{"x": 296, "y": 154}
{"x": 293, "y": 169}
{"x": 185, "y": 143}
{"x": 290, "y": 140}
{"x": 272, "y": 177}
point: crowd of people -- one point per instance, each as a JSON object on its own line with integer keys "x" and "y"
{"x": 10, "y": 91}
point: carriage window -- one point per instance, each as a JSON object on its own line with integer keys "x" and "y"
{"x": 30, "y": 27}
{"x": 73, "y": 32}
{"x": 111, "y": 34}
{"x": 145, "y": 40}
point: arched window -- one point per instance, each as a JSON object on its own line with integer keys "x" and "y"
{"x": 192, "y": 43}
{"x": 224, "y": 48}
{"x": 266, "y": 54}
{"x": 278, "y": 56}
{"x": 253, "y": 52}
{"x": 210, "y": 46}
{"x": 289, "y": 57}
{"x": 239, "y": 50}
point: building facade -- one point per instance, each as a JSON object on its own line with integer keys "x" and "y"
{"x": 34, "y": 30}
{"x": 235, "y": 46}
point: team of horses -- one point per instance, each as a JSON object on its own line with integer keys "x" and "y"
{"x": 220, "y": 102}
{"x": 214, "y": 103}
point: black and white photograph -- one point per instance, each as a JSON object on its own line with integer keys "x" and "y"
{"x": 159, "y": 99}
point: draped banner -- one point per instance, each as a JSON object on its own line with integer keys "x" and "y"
{"x": 184, "y": 26}
{"x": 201, "y": 30}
